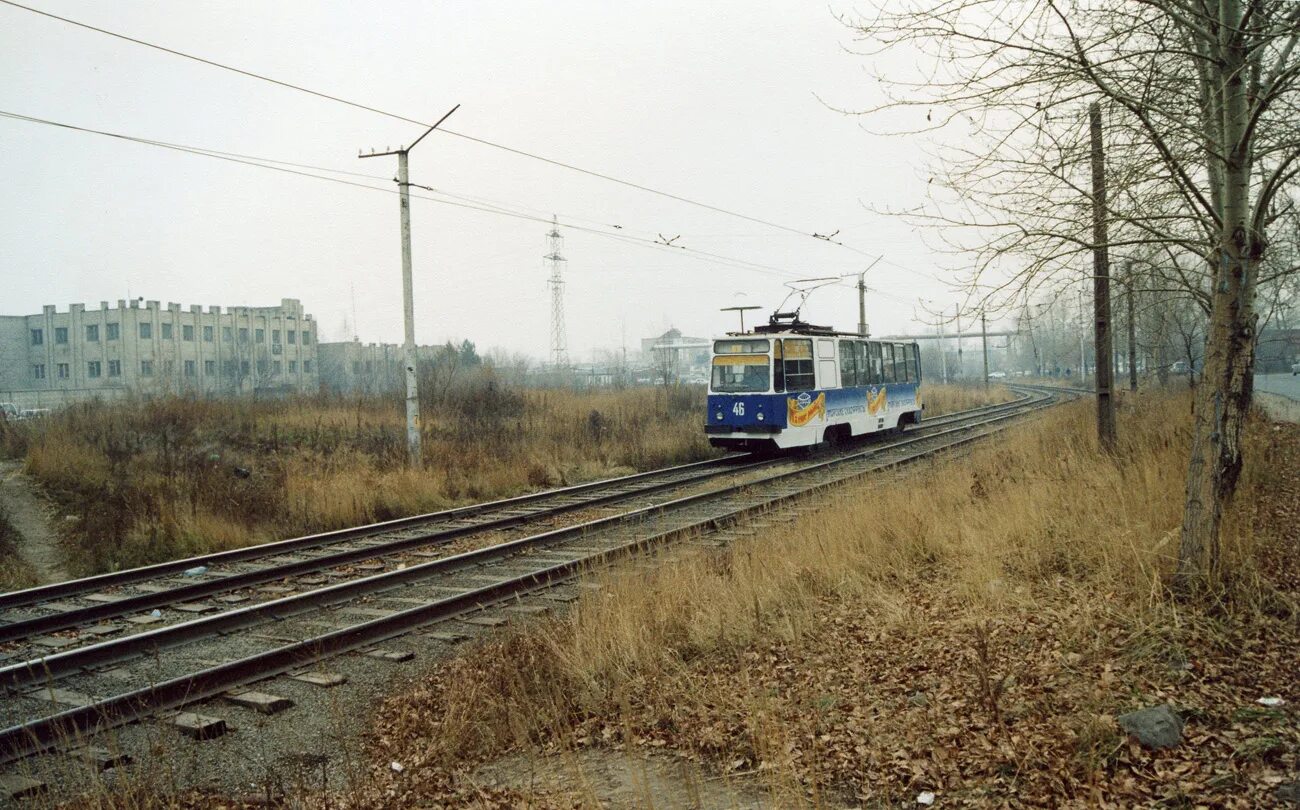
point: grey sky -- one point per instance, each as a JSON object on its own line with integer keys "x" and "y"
{"x": 714, "y": 101}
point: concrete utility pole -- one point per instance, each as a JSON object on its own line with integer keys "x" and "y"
{"x": 862, "y": 304}
{"x": 1132, "y": 330}
{"x": 1101, "y": 287}
{"x": 862, "y": 300}
{"x": 961, "y": 365}
{"x": 943, "y": 351}
{"x": 1033, "y": 344}
{"x": 984, "y": 340}
{"x": 408, "y": 302}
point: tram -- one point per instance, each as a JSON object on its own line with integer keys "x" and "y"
{"x": 789, "y": 384}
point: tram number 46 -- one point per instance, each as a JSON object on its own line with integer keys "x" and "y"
{"x": 738, "y": 409}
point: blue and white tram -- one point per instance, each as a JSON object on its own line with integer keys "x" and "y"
{"x": 799, "y": 387}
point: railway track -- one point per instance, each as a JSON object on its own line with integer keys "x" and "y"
{"x": 83, "y": 684}
{"x": 232, "y": 577}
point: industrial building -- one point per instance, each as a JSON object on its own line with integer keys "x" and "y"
{"x": 53, "y": 358}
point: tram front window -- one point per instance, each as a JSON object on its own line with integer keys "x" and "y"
{"x": 741, "y": 374}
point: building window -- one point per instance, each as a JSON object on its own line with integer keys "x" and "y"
{"x": 293, "y": 365}
{"x": 93, "y": 369}
{"x": 260, "y": 335}
{"x": 64, "y": 371}
{"x": 306, "y": 337}
{"x": 60, "y": 335}
{"x": 112, "y": 331}
{"x": 38, "y": 337}
{"x": 208, "y": 334}
{"x": 276, "y": 368}
{"x": 166, "y": 331}
{"x": 292, "y": 335}
{"x": 243, "y": 334}
{"x": 228, "y": 368}
{"x": 243, "y": 367}
{"x": 146, "y": 368}
{"x": 275, "y": 335}
{"x": 261, "y": 368}
{"x": 115, "y": 368}
{"x": 146, "y": 331}
{"x": 92, "y": 333}
{"x": 187, "y": 332}
{"x": 227, "y": 334}
{"x": 190, "y": 368}
{"x": 306, "y": 367}
{"x": 210, "y": 368}
{"x": 38, "y": 371}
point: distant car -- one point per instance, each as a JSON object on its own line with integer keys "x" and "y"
{"x": 1295, "y": 369}
{"x": 34, "y": 413}
{"x": 997, "y": 375}
{"x": 10, "y": 411}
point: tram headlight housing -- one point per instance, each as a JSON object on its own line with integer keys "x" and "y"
{"x": 760, "y": 417}
{"x": 719, "y": 416}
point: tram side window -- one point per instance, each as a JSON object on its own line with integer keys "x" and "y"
{"x": 887, "y": 356}
{"x": 916, "y": 362}
{"x": 798, "y": 365}
{"x": 848, "y": 365}
{"x": 860, "y": 360}
{"x": 900, "y": 362}
{"x": 873, "y": 364}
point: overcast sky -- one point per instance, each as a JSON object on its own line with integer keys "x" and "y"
{"x": 715, "y": 101}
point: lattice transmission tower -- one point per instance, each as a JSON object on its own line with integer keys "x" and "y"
{"x": 555, "y": 258}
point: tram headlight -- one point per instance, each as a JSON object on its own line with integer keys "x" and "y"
{"x": 719, "y": 417}
{"x": 760, "y": 417}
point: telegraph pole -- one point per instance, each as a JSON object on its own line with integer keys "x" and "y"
{"x": 1083, "y": 356}
{"x": 408, "y": 302}
{"x": 984, "y": 340}
{"x": 862, "y": 299}
{"x": 943, "y": 351}
{"x": 1101, "y": 286}
{"x": 961, "y": 364}
{"x": 1132, "y": 330}
{"x": 862, "y": 303}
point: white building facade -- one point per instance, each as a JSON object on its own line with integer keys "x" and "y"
{"x": 54, "y": 358}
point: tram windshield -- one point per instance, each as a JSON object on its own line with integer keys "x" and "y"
{"x": 741, "y": 374}
{"x": 741, "y": 366}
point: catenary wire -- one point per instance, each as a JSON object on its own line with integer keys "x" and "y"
{"x": 465, "y": 136}
{"x": 731, "y": 261}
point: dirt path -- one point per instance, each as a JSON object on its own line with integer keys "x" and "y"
{"x": 30, "y": 515}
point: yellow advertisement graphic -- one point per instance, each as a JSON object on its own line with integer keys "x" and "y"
{"x": 876, "y": 401}
{"x": 801, "y": 413}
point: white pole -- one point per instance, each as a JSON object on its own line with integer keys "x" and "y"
{"x": 943, "y": 352}
{"x": 408, "y": 315}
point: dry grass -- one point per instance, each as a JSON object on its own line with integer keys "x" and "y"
{"x": 1019, "y": 591}
{"x": 940, "y": 399}
{"x": 174, "y": 477}
{"x": 177, "y": 477}
{"x": 15, "y": 573}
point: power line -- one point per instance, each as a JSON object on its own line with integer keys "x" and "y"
{"x": 465, "y": 136}
{"x": 267, "y": 163}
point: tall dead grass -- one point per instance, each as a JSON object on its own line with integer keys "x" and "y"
{"x": 158, "y": 479}
{"x": 1037, "y": 509}
{"x": 940, "y": 399}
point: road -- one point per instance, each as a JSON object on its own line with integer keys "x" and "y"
{"x": 1285, "y": 384}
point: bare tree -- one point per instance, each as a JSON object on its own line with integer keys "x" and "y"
{"x": 1200, "y": 102}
